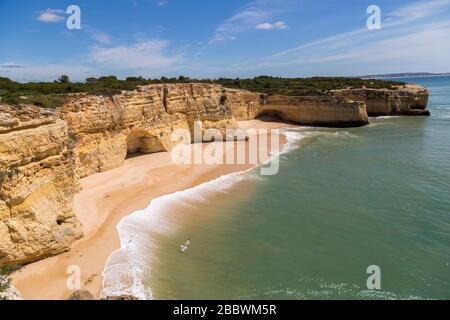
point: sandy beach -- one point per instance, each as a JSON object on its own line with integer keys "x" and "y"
{"x": 104, "y": 200}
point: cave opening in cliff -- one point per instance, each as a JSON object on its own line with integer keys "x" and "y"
{"x": 273, "y": 116}
{"x": 141, "y": 143}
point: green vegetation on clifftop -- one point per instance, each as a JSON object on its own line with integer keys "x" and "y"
{"x": 304, "y": 86}
{"x": 54, "y": 94}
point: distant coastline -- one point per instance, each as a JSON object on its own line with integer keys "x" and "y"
{"x": 404, "y": 75}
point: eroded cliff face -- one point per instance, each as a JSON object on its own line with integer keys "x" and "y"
{"x": 44, "y": 153}
{"x": 316, "y": 110}
{"x": 106, "y": 129}
{"x": 326, "y": 110}
{"x": 37, "y": 185}
{"x": 244, "y": 105}
{"x": 405, "y": 100}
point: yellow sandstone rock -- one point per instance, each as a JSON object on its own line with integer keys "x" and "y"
{"x": 36, "y": 187}
{"x": 407, "y": 99}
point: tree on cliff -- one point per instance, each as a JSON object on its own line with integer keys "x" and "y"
{"x": 139, "y": 80}
{"x": 64, "y": 79}
{"x": 91, "y": 80}
{"x": 184, "y": 79}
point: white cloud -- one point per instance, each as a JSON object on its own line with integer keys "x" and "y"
{"x": 97, "y": 35}
{"x": 407, "y": 44}
{"x": 415, "y": 37}
{"x": 51, "y": 15}
{"x": 255, "y": 13}
{"x": 101, "y": 37}
{"x": 146, "y": 58}
{"x": 146, "y": 54}
{"x": 280, "y": 25}
{"x": 162, "y": 3}
{"x": 419, "y": 9}
{"x": 264, "y": 26}
{"x": 10, "y": 65}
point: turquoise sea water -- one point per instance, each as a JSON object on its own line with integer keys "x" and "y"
{"x": 344, "y": 200}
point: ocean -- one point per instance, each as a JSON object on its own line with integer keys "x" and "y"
{"x": 343, "y": 200}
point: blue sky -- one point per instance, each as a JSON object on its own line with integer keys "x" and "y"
{"x": 232, "y": 38}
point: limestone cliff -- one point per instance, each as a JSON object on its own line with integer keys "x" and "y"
{"x": 106, "y": 129}
{"x": 37, "y": 185}
{"x": 405, "y": 100}
{"x": 325, "y": 110}
{"x": 44, "y": 153}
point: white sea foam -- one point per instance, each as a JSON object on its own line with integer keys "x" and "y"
{"x": 128, "y": 267}
{"x": 344, "y": 134}
{"x": 317, "y": 132}
{"x": 318, "y": 288}
{"x": 387, "y": 117}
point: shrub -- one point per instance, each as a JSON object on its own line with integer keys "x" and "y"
{"x": 54, "y": 94}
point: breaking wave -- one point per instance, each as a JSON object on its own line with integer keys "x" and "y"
{"x": 128, "y": 268}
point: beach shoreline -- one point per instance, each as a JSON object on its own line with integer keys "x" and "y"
{"x": 106, "y": 198}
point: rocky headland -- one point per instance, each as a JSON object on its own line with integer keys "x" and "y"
{"x": 408, "y": 99}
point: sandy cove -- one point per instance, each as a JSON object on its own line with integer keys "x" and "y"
{"x": 104, "y": 200}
